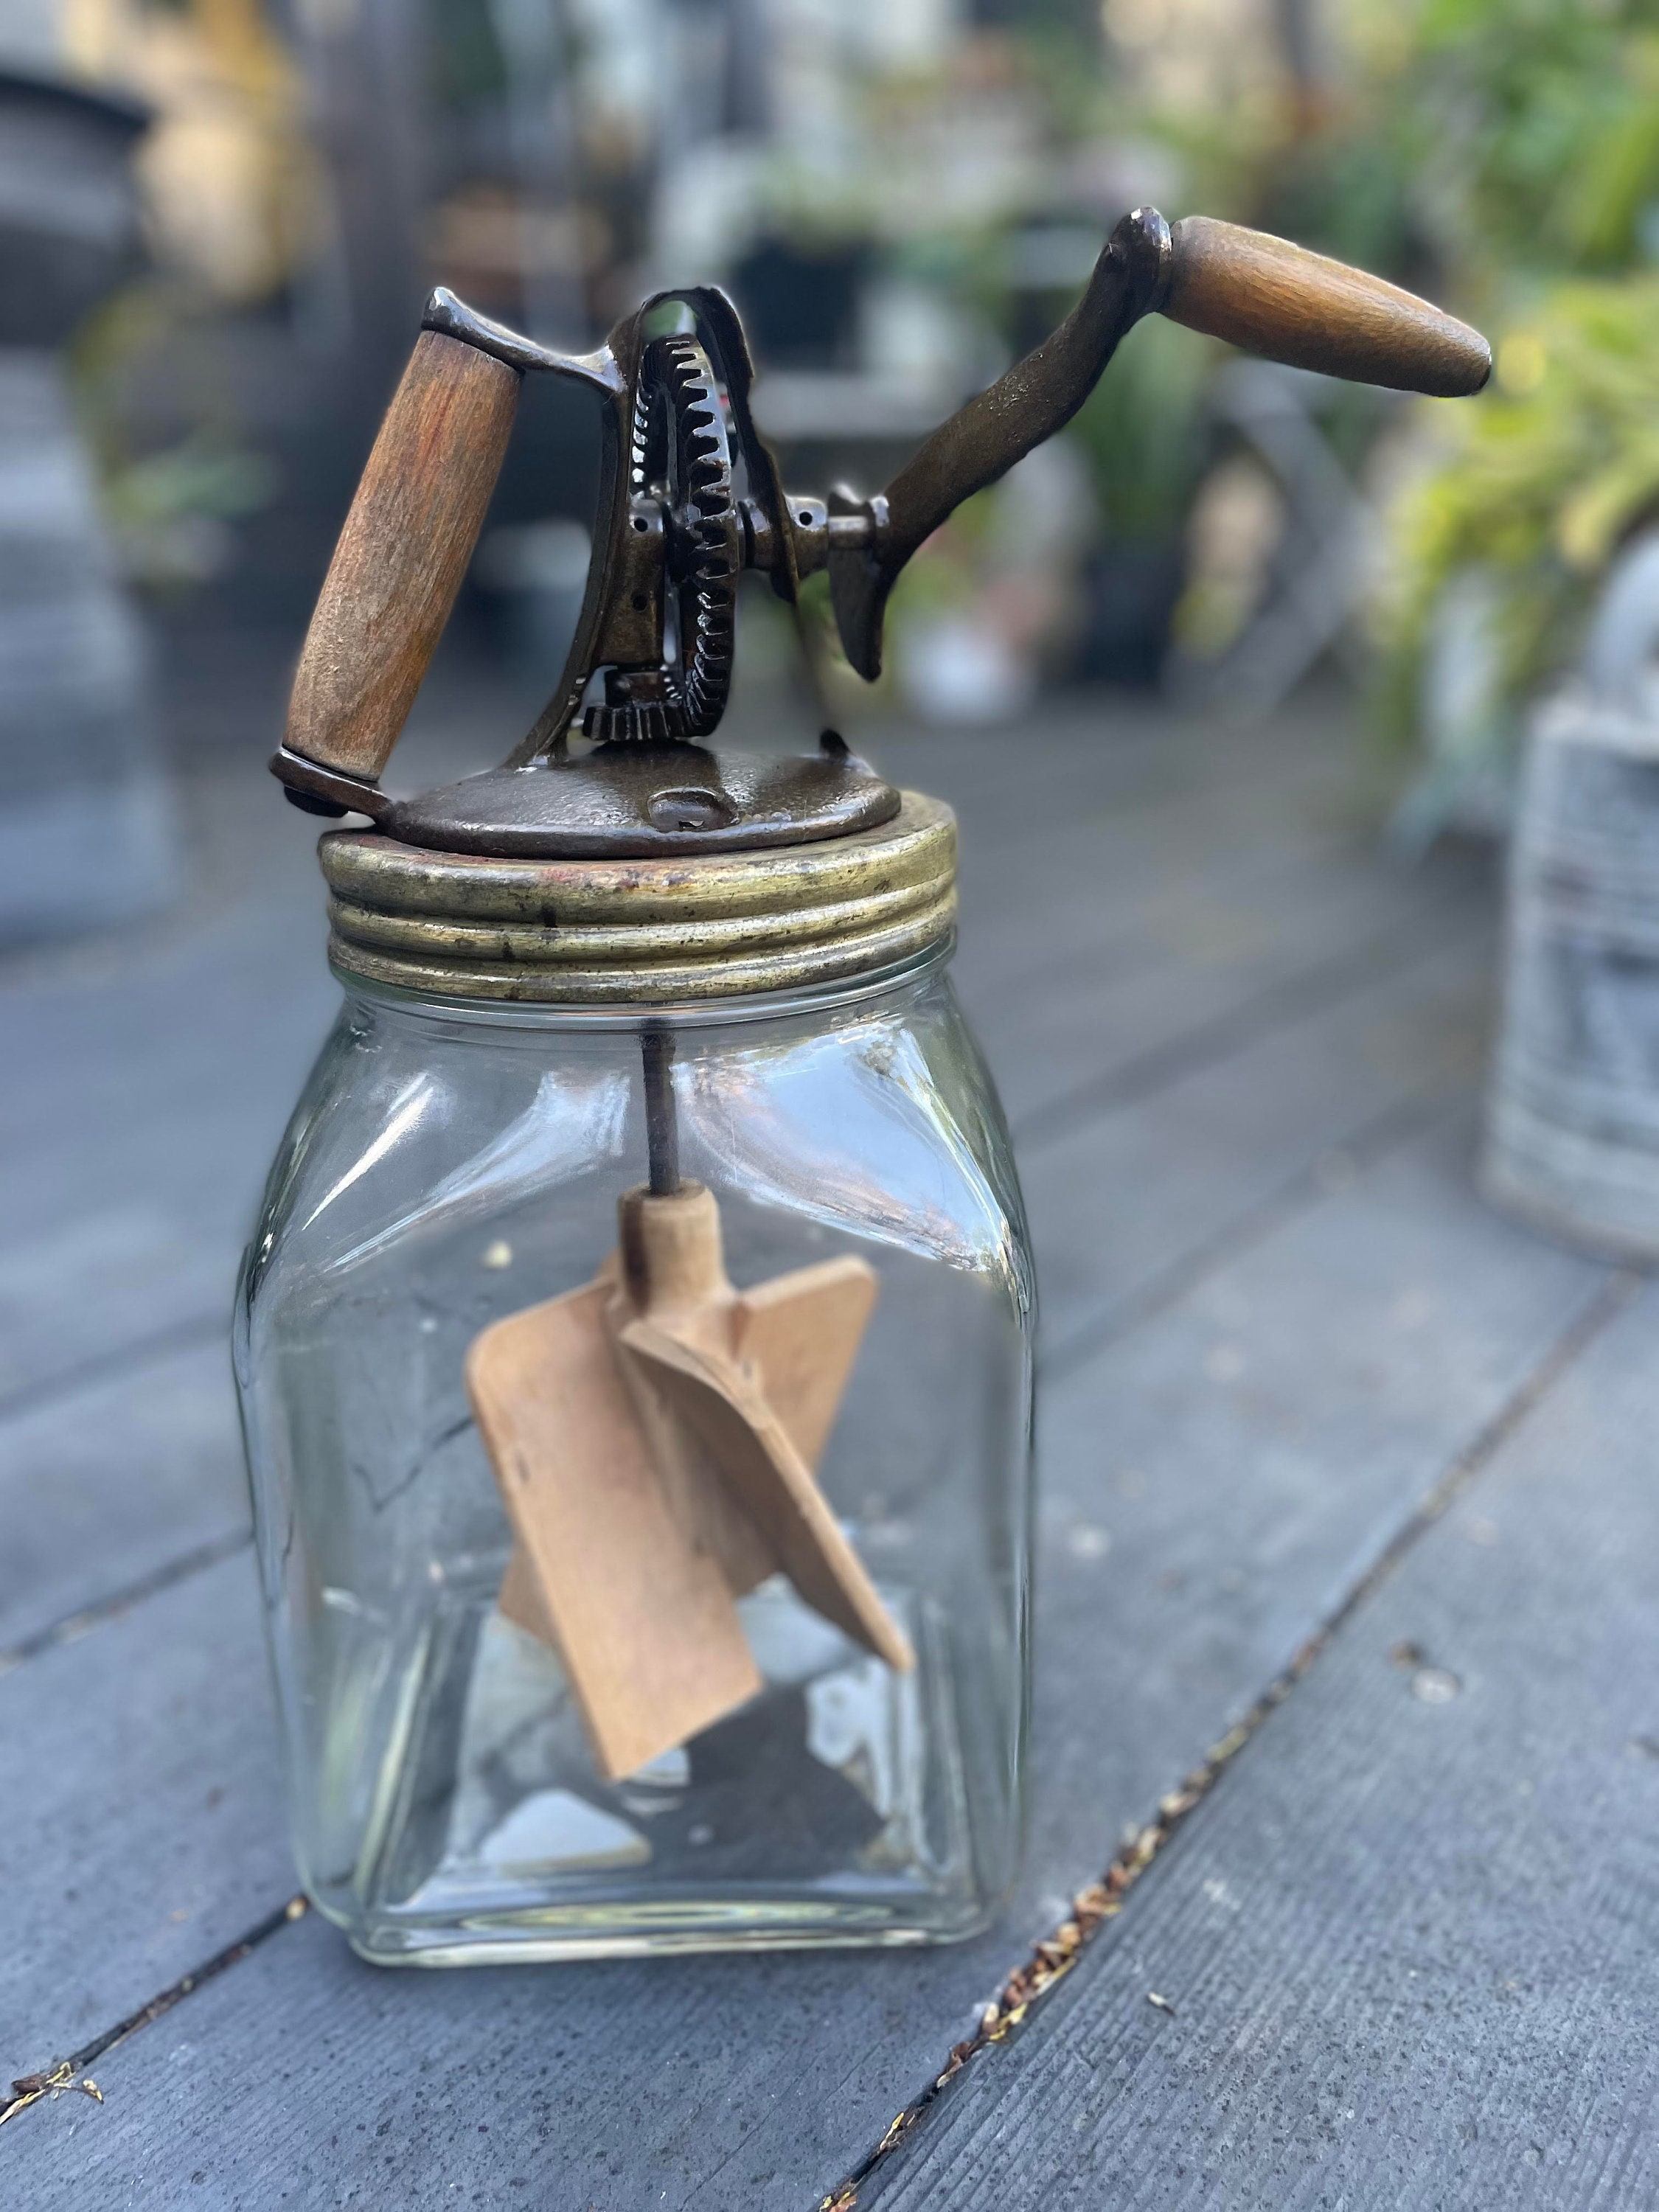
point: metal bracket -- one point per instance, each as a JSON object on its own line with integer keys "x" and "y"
{"x": 455, "y": 320}
{"x": 318, "y": 790}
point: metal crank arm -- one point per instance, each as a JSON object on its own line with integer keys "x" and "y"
{"x": 1257, "y": 292}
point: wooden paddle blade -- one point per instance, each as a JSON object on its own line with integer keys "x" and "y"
{"x": 519, "y": 1600}
{"x": 642, "y": 1619}
{"x": 672, "y": 1271}
{"x": 402, "y": 555}
{"x": 1280, "y": 300}
{"x": 802, "y": 1333}
{"x": 708, "y": 1509}
{"x": 748, "y": 1443}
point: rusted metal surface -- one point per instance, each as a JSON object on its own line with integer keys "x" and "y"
{"x": 646, "y": 801}
{"x": 672, "y": 537}
{"x": 651, "y": 930}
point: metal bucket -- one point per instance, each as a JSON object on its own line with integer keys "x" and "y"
{"x": 1572, "y": 1121}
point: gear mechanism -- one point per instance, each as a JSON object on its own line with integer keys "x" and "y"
{"x": 681, "y": 460}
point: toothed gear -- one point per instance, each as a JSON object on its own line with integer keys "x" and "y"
{"x": 680, "y": 441}
{"x": 635, "y": 721}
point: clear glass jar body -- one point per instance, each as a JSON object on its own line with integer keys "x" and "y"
{"x": 452, "y": 1164}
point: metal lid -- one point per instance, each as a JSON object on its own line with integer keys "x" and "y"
{"x": 641, "y": 931}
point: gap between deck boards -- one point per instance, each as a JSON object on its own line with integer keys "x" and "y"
{"x": 181, "y": 1335}
{"x": 1361, "y": 1149}
{"x": 68, "y": 2076}
{"x": 1397, "y": 1123}
{"x": 1054, "y": 1955}
{"x": 1279, "y": 1006}
{"x": 70, "y": 1627}
{"x": 1276, "y": 1006}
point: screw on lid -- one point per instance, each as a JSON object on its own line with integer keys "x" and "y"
{"x": 641, "y": 931}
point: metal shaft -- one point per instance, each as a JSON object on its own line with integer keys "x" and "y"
{"x": 662, "y": 1134}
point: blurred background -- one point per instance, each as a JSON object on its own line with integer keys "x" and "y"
{"x": 221, "y": 216}
{"x": 219, "y": 219}
{"x": 1247, "y": 690}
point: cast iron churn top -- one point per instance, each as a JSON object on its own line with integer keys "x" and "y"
{"x": 615, "y": 854}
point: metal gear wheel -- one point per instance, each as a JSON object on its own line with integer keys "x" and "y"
{"x": 681, "y": 445}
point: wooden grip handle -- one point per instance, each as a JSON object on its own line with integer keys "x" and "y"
{"x": 402, "y": 555}
{"x": 1278, "y": 299}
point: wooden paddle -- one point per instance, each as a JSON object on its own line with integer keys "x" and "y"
{"x": 654, "y": 1435}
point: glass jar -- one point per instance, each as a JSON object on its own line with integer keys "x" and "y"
{"x": 457, "y": 1158}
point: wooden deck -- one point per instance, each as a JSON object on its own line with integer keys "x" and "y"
{"x": 1332, "y": 1459}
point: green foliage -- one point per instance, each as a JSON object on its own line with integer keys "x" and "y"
{"x": 1484, "y": 136}
{"x": 198, "y": 477}
{"x": 1546, "y": 478}
{"x": 1141, "y": 430}
{"x": 465, "y": 68}
{"x": 1531, "y": 128}
{"x": 1538, "y": 121}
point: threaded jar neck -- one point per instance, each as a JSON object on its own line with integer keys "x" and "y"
{"x": 640, "y": 933}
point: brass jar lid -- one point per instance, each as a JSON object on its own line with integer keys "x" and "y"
{"x": 641, "y": 932}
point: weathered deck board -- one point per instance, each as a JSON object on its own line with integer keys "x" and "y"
{"x": 1409, "y": 1944}
{"x": 1125, "y": 755}
{"x": 776, "y": 2074}
{"x": 1180, "y": 982}
{"x": 1250, "y": 1452}
{"x": 1121, "y": 1194}
{"x": 111, "y": 1483}
{"x": 149, "y": 1076}
{"x": 1259, "y": 1013}
{"x": 143, "y": 1829}
{"x": 144, "y": 1111}
{"x": 137, "y": 1190}
{"x": 1152, "y": 887}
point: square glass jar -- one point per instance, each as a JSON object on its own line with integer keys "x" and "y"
{"x": 451, "y": 1163}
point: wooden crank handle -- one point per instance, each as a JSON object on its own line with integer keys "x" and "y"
{"x": 401, "y": 557}
{"x": 1278, "y": 299}
{"x": 1257, "y": 292}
